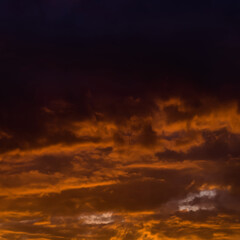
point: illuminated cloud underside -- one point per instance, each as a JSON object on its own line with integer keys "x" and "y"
{"x": 145, "y": 178}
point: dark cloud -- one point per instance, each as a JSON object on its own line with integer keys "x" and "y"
{"x": 217, "y": 146}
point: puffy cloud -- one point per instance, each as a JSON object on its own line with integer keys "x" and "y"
{"x": 102, "y": 218}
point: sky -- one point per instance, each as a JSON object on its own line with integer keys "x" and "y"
{"x": 119, "y": 120}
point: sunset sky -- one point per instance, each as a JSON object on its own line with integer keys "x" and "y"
{"x": 120, "y": 120}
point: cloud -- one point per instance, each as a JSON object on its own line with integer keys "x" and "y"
{"x": 188, "y": 204}
{"x": 167, "y": 171}
{"x": 103, "y": 218}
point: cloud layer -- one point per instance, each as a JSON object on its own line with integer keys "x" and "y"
{"x": 168, "y": 170}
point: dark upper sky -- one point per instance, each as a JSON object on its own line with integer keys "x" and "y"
{"x": 186, "y": 39}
